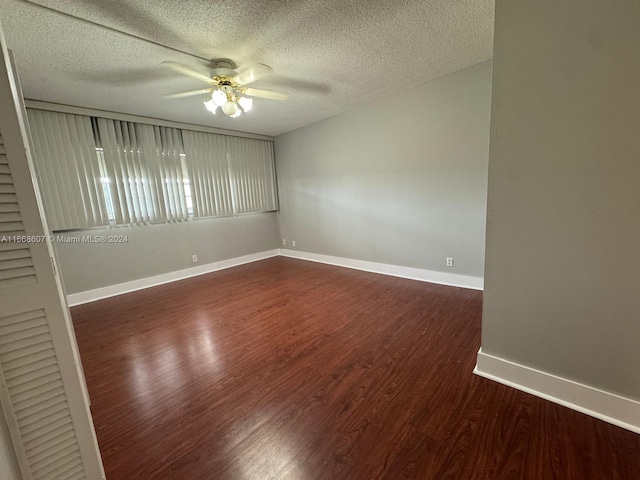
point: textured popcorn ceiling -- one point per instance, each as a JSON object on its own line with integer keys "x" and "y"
{"x": 329, "y": 55}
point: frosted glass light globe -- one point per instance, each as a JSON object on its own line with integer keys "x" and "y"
{"x": 230, "y": 108}
{"x": 245, "y": 103}
{"x": 211, "y": 106}
{"x": 219, "y": 98}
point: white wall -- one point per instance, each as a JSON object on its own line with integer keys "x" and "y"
{"x": 163, "y": 248}
{"x": 562, "y": 276}
{"x": 400, "y": 181}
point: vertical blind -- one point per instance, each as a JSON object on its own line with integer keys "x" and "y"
{"x": 252, "y": 173}
{"x": 68, "y": 170}
{"x": 97, "y": 171}
{"x": 144, "y": 171}
{"x": 169, "y": 152}
{"x": 135, "y": 189}
{"x": 208, "y": 166}
{"x": 230, "y": 174}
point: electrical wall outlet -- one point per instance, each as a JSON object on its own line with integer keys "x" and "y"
{"x": 449, "y": 261}
{"x": 293, "y": 243}
{"x": 194, "y": 258}
{"x": 284, "y": 241}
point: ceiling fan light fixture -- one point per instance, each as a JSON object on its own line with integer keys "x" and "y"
{"x": 230, "y": 108}
{"x": 227, "y": 87}
{"x": 245, "y": 103}
{"x": 219, "y": 98}
{"x": 211, "y": 106}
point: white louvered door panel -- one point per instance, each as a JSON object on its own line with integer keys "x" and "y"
{"x": 34, "y": 385}
{"x": 41, "y": 386}
{"x": 16, "y": 267}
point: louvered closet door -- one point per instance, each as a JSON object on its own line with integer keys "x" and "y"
{"x": 42, "y": 391}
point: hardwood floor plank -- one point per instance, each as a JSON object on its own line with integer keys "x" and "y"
{"x": 286, "y": 369}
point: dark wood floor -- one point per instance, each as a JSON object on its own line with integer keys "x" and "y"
{"x": 285, "y": 369}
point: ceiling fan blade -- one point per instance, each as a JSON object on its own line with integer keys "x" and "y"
{"x": 252, "y": 73}
{"x": 178, "y": 67}
{"x": 188, "y": 94}
{"x": 271, "y": 95}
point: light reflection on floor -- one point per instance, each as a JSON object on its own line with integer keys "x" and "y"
{"x": 266, "y": 454}
{"x": 159, "y": 373}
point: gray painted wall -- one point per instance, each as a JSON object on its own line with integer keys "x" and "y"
{"x": 157, "y": 249}
{"x": 562, "y": 275}
{"x": 400, "y": 181}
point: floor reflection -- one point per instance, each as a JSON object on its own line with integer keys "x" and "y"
{"x": 158, "y": 374}
{"x": 261, "y": 452}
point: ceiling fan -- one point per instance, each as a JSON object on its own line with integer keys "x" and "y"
{"x": 227, "y": 87}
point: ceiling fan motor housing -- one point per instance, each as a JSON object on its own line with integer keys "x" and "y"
{"x": 223, "y": 66}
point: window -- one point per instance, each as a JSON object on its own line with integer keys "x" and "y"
{"x": 230, "y": 175}
{"x": 98, "y": 172}
{"x": 68, "y": 170}
{"x": 208, "y": 171}
{"x": 187, "y": 186}
{"x": 141, "y": 163}
{"x": 252, "y": 174}
{"x": 105, "y": 181}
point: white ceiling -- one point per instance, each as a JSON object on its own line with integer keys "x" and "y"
{"x": 329, "y": 55}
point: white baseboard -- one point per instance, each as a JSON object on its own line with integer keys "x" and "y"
{"x": 605, "y": 406}
{"x": 113, "y": 290}
{"x": 452, "y": 279}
